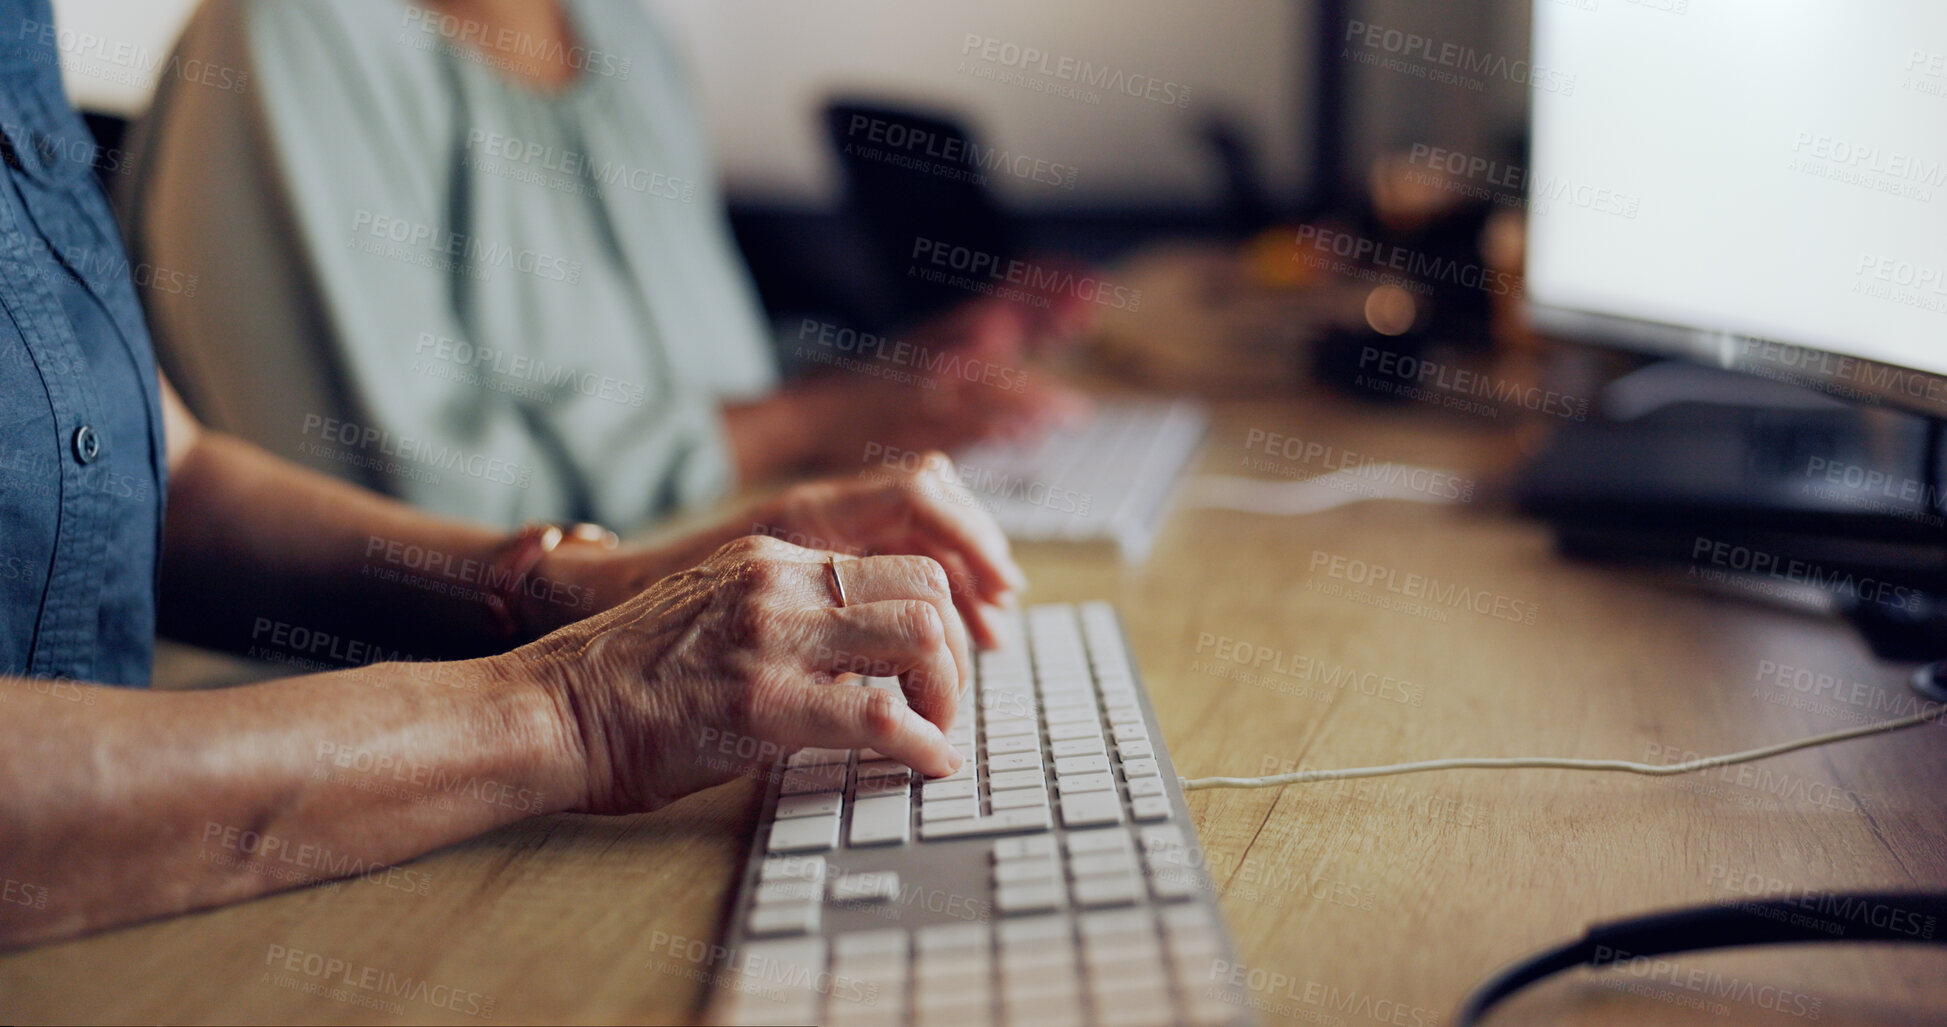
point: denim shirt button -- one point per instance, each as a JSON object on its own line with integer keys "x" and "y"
{"x": 87, "y": 445}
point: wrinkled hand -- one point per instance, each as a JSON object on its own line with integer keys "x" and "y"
{"x": 908, "y": 503}
{"x": 721, "y": 669}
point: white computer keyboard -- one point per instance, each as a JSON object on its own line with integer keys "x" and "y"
{"x": 1108, "y": 480}
{"x": 1054, "y": 880}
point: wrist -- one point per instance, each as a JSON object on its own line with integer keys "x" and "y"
{"x": 528, "y": 706}
{"x": 546, "y": 576}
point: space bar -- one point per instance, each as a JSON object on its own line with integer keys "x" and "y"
{"x": 1005, "y": 822}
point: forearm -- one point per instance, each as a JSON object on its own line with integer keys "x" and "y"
{"x": 259, "y": 553}
{"x": 120, "y": 805}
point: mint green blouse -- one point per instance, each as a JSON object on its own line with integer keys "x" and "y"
{"x": 405, "y": 268}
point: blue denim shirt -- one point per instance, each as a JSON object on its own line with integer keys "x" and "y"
{"x": 82, "y": 466}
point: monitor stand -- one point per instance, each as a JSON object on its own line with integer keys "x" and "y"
{"x": 1759, "y": 489}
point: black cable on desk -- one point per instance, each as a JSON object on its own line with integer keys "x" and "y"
{"x": 1759, "y": 922}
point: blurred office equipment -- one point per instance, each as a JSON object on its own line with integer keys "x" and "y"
{"x": 1750, "y": 209}
{"x": 1110, "y": 481}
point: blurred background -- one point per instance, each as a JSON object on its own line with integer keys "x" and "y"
{"x": 1274, "y": 117}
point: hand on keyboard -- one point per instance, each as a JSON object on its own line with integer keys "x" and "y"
{"x": 915, "y": 505}
{"x": 722, "y": 669}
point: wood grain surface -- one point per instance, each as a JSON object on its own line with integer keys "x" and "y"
{"x": 1357, "y": 903}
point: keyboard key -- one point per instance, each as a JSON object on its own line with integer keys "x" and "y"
{"x": 1090, "y": 746}
{"x": 865, "y": 887}
{"x": 792, "y": 868}
{"x": 1134, "y": 749}
{"x": 933, "y": 791}
{"x": 952, "y": 937}
{"x": 1081, "y": 765}
{"x": 890, "y": 942}
{"x": 882, "y": 821}
{"x": 1075, "y": 783}
{"x": 1130, "y": 733}
{"x": 1030, "y": 760}
{"x": 813, "y": 779}
{"x": 1081, "y": 843}
{"x": 1074, "y": 715}
{"x": 1090, "y": 809}
{"x": 886, "y": 786}
{"x": 1113, "y": 890}
{"x": 784, "y": 918}
{"x": 1139, "y": 768}
{"x": 1145, "y": 786}
{"x": 883, "y": 768}
{"x": 1016, "y": 743}
{"x": 1150, "y": 807}
{"x": 948, "y": 809}
{"x": 804, "y": 834}
{"x": 1028, "y": 897}
{"x": 1016, "y": 779}
{"x": 1096, "y": 864}
{"x": 787, "y": 891}
{"x": 1010, "y": 821}
{"x": 816, "y": 757}
{"x": 808, "y": 805}
{"x": 1002, "y": 727}
{"x": 1015, "y": 871}
{"x": 1021, "y": 848}
{"x": 1019, "y": 798}
{"x": 1061, "y": 732}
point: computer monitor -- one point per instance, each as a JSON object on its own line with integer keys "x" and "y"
{"x": 1756, "y": 184}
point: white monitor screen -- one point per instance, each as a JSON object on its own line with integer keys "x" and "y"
{"x": 1746, "y": 169}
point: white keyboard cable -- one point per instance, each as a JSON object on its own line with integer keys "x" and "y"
{"x": 1554, "y": 763}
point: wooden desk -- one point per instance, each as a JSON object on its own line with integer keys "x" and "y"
{"x": 1378, "y": 902}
